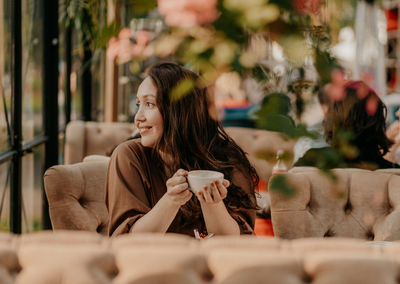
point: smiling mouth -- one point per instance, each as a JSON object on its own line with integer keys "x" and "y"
{"x": 144, "y": 130}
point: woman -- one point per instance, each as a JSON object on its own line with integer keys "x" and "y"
{"x": 361, "y": 114}
{"x": 147, "y": 190}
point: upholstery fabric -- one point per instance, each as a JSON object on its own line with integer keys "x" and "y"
{"x": 278, "y": 261}
{"x": 76, "y": 196}
{"x": 360, "y": 204}
{"x": 93, "y": 138}
{"x": 254, "y": 140}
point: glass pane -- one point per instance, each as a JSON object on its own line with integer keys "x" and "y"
{"x": 61, "y": 142}
{"x": 32, "y": 123}
{"x": 76, "y": 73}
{"x": 32, "y": 173}
{"x": 61, "y": 77}
{"x": 98, "y": 85}
{"x": 5, "y": 171}
{"x": 5, "y": 74}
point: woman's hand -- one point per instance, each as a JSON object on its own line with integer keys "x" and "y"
{"x": 214, "y": 193}
{"x": 178, "y": 188}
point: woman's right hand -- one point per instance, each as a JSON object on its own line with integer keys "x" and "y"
{"x": 178, "y": 189}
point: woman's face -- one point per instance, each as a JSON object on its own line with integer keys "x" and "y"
{"x": 148, "y": 118}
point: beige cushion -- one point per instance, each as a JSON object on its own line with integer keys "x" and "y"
{"x": 362, "y": 204}
{"x": 239, "y": 266}
{"x": 93, "y": 138}
{"x": 60, "y": 264}
{"x": 9, "y": 264}
{"x": 183, "y": 263}
{"x": 152, "y": 240}
{"x": 65, "y": 238}
{"x": 253, "y": 141}
{"x": 349, "y": 268}
{"x": 76, "y": 196}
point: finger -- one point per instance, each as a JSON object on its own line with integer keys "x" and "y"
{"x": 175, "y": 180}
{"x": 177, "y": 189}
{"x": 226, "y": 183}
{"x": 200, "y": 196}
{"x": 181, "y": 172}
{"x": 222, "y": 190}
{"x": 185, "y": 197}
{"x": 215, "y": 192}
{"x": 206, "y": 195}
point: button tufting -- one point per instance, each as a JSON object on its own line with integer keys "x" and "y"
{"x": 328, "y": 234}
{"x": 370, "y": 235}
{"x": 348, "y": 208}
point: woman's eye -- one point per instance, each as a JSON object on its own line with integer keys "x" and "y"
{"x": 150, "y": 104}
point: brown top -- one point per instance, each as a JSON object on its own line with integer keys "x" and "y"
{"x": 135, "y": 183}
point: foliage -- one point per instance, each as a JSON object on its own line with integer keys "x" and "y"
{"x": 238, "y": 38}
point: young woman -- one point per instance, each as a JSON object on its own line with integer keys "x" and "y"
{"x": 147, "y": 190}
{"x": 362, "y": 113}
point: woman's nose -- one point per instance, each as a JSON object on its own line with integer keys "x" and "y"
{"x": 139, "y": 115}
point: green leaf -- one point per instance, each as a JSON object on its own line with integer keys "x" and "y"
{"x": 182, "y": 89}
{"x": 279, "y": 183}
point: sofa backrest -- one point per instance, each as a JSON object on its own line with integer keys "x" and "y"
{"x": 76, "y": 196}
{"x": 93, "y": 138}
{"x": 83, "y": 257}
{"x": 253, "y": 141}
{"x": 360, "y": 204}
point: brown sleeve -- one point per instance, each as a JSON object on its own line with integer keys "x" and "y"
{"x": 126, "y": 197}
{"x": 244, "y": 217}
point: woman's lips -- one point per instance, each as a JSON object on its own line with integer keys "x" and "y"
{"x": 144, "y": 130}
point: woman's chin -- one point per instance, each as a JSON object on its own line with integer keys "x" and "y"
{"x": 147, "y": 142}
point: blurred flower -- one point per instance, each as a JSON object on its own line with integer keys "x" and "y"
{"x": 188, "y": 13}
{"x": 123, "y": 49}
{"x": 371, "y": 105}
{"x": 167, "y": 45}
{"x": 307, "y": 6}
{"x": 336, "y": 90}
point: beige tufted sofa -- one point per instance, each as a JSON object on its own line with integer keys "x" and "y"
{"x": 98, "y": 138}
{"x": 82, "y": 257}
{"x": 361, "y": 204}
{"x": 76, "y": 195}
{"x": 93, "y": 138}
{"x": 253, "y": 141}
{"x": 76, "y": 191}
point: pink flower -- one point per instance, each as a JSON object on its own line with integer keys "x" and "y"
{"x": 371, "y": 105}
{"x": 188, "y": 13}
{"x": 336, "y": 91}
{"x": 123, "y": 49}
{"x": 307, "y": 6}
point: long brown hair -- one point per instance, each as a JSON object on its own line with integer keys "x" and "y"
{"x": 191, "y": 137}
{"x": 352, "y": 114}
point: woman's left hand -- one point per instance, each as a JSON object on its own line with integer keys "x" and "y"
{"x": 214, "y": 193}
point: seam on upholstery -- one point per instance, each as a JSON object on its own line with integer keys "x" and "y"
{"x": 301, "y": 210}
{"x": 310, "y": 194}
{"x": 358, "y": 222}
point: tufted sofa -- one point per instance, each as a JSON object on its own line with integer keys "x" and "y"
{"x": 83, "y": 257}
{"x": 254, "y": 141}
{"x": 360, "y": 204}
{"x": 76, "y": 195}
{"x": 93, "y": 138}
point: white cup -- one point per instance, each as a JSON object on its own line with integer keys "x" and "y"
{"x": 200, "y": 178}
